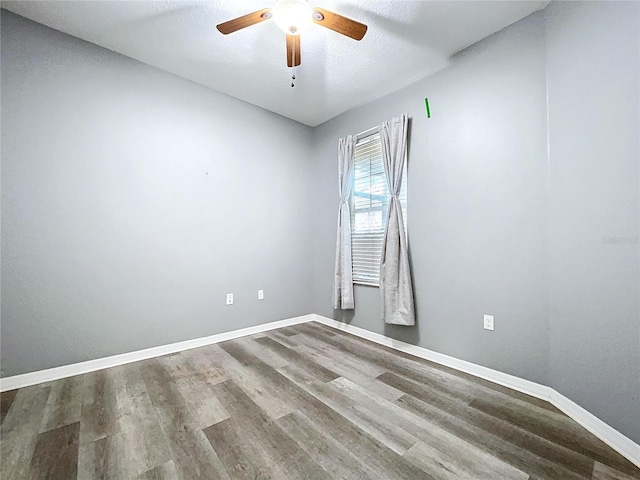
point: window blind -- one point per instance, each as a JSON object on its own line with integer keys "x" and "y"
{"x": 369, "y": 203}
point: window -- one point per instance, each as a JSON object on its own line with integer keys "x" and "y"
{"x": 369, "y": 203}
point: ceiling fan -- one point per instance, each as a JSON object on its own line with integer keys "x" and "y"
{"x": 292, "y": 16}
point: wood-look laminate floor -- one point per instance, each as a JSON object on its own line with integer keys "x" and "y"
{"x": 295, "y": 403}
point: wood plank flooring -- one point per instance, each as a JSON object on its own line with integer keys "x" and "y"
{"x": 302, "y": 402}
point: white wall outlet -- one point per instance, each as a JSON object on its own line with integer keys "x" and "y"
{"x": 488, "y": 322}
{"x": 260, "y": 294}
{"x": 229, "y": 298}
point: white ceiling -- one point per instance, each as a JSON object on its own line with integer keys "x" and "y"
{"x": 407, "y": 40}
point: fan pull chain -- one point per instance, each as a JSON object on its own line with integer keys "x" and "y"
{"x": 293, "y": 64}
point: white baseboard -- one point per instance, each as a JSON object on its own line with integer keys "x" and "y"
{"x": 600, "y": 429}
{"x": 609, "y": 435}
{"x": 616, "y": 440}
{"x": 511, "y": 381}
{"x": 33, "y": 378}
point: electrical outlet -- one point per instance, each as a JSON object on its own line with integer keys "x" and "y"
{"x": 229, "y": 298}
{"x": 488, "y": 322}
{"x": 260, "y": 294}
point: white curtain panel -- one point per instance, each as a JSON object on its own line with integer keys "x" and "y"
{"x": 396, "y": 290}
{"x": 343, "y": 281}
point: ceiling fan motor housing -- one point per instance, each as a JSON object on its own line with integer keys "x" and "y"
{"x": 292, "y": 16}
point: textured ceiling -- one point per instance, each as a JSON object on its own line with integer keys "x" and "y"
{"x": 407, "y": 40}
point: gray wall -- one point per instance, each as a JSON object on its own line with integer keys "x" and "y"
{"x": 133, "y": 200}
{"x": 476, "y": 219}
{"x": 593, "y": 51}
{"x": 532, "y": 220}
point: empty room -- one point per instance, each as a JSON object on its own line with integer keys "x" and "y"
{"x": 323, "y": 239}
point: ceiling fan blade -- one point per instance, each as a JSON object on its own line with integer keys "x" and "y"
{"x": 338, "y": 23}
{"x": 244, "y": 21}
{"x": 293, "y": 50}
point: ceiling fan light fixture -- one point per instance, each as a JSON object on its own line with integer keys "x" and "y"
{"x": 292, "y": 16}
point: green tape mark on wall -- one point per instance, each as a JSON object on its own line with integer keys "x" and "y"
{"x": 426, "y": 104}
